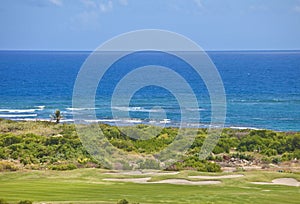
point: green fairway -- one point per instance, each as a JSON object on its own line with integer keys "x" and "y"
{"x": 87, "y": 186}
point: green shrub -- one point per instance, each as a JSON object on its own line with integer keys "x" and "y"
{"x": 11, "y": 139}
{"x": 123, "y": 201}
{"x": 297, "y": 154}
{"x": 62, "y": 167}
{"x": 150, "y": 164}
{"x": 270, "y": 152}
{"x": 3, "y": 154}
{"x": 276, "y": 160}
{"x": 2, "y": 201}
{"x": 194, "y": 163}
{"x": 8, "y": 166}
{"x": 242, "y": 156}
{"x": 287, "y": 156}
{"x": 212, "y": 167}
{"x": 25, "y": 202}
{"x": 266, "y": 160}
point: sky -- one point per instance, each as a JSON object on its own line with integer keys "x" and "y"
{"x": 213, "y": 24}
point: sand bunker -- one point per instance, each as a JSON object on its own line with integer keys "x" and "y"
{"x": 187, "y": 182}
{"x": 217, "y": 177}
{"x": 134, "y": 180}
{"x": 281, "y": 181}
{"x": 155, "y": 173}
{"x": 167, "y": 181}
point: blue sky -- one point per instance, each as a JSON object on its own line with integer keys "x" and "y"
{"x": 213, "y": 24}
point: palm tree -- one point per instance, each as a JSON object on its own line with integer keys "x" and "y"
{"x": 56, "y": 116}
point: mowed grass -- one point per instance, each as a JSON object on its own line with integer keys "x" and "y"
{"x": 87, "y": 186}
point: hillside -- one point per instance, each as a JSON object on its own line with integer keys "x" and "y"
{"x": 45, "y": 145}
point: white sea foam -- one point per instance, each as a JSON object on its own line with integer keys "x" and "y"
{"x": 30, "y": 110}
{"x": 120, "y": 121}
{"x": 132, "y": 121}
{"x": 244, "y": 128}
{"x": 17, "y": 115}
{"x": 29, "y": 119}
{"x": 80, "y": 109}
{"x": 66, "y": 120}
{"x": 17, "y": 110}
{"x": 137, "y": 109}
{"x": 102, "y": 120}
{"x": 40, "y": 107}
{"x": 195, "y": 109}
{"x": 165, "y": 121}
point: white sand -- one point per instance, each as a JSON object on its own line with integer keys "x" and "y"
{"x": 281, "y": 181}
{"x": 155, "y": 173}
{"x": 168, "y": 181}
{"x": 133, "y": 180}
{"x": 217, "y": 177}
{"x": 187, "y": 182}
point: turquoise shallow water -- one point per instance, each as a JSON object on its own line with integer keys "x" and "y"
{"x": 262, "y": 88}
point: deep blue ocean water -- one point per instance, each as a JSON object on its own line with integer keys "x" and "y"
{"x": 262, "y": 87}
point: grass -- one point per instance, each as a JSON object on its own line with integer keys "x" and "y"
{"x": 87, "y": 186}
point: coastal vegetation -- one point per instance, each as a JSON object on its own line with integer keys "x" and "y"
{"x": 47, "y": 145}
{"x": 45, "y": 162}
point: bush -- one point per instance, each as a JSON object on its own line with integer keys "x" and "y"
{"x": 25, "y": 202}
{"x": 297, "y": 154}
{"x": 287, "y": 156}
{"x": 11, "y": 139}
{"x": 212, "y": 167}
{"x": 270, "y": 152}
{"x": 150, "y": 164}
{"x": 242, "y": 156}
{"x": 63, "y": 167}
{"x": 123, "y": 201}
{"x": 266, "y": 160}
{"x": 194, "y": 163}
{"x": 8, "y": 166}
{"x": 276, "y": 160}
{"x": 2, "y": 201}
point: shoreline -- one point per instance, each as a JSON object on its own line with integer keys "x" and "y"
{"x": 134, "y": 121}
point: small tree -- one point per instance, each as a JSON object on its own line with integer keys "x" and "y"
{"x": 57, "y": 116}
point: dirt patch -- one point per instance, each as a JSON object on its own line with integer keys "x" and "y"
{"x": 281, "y": 181}
{"x": 217, "y": 177}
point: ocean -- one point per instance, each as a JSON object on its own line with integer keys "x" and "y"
{"x": 262, "y": 88}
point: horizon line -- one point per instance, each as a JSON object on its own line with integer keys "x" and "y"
{"x": 208, "y": 50}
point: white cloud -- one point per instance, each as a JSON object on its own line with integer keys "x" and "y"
{"x": 258, "y": 8}
{"x": 199, "y": 3}
{"x": 56, "y": 2}
{"x": 297, "y": 9}
{"x": 104, "y": 7}
{"x": 86, "y": 17}
{"x": 123, "y": 2}
{"x": 44, "y": 3}
{"x": 89, "y": 18}
{"x": 89, "y": 3}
